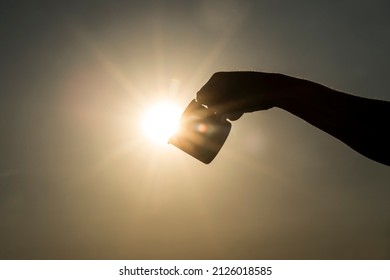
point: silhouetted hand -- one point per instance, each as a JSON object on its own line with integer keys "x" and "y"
{"x": 361, "y": 123}
{"x": 232, "y": 94}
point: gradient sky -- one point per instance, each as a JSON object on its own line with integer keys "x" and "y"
{"x": 78, "y": 180}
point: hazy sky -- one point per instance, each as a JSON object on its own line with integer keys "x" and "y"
{"x": 78, "y": 180}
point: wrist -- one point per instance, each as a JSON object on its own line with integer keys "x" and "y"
{"x": 274, "y": 89}
{"x": 291, "y": 90}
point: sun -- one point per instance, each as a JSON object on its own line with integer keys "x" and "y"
{"x": 160, "y": 121}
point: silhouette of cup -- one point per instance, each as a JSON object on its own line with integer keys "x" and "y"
{"x": 201, "y": 133}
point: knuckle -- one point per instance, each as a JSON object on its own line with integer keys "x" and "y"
{"x": 218, "y": 75}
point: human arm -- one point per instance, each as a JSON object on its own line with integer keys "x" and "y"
{"x": 361, "y": 123}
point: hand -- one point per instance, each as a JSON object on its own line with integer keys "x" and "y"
{"x": 231, "y": 94}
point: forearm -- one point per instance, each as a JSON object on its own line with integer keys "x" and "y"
{"x": 360, "y": 123}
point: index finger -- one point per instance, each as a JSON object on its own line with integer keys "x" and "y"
{"x": 213, "y": 93}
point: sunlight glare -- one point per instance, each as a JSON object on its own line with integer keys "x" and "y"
{"x": 160, "y": 121}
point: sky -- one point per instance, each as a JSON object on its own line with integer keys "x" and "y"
{"x": 78, "y": 179}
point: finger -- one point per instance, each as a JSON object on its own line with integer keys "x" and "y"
{"x": 232, "y": 116}
{"x": 207, "y": 96}
{"x": 214, "y": 91}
